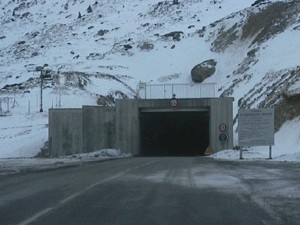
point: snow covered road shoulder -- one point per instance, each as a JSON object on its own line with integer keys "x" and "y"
{"x": 286, "y": 148}
{"x": 17, "y": 165}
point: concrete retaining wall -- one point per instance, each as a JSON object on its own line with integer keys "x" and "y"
{"x": 98, "y": 128}
{"x": 127, "y": 126}
{"x": 65, "y": 132}
{"x": 73, "y": 131}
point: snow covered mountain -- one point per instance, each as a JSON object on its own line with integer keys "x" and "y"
{"x": 96, "y": 51}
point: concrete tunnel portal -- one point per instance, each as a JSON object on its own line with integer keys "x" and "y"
{"x": 174, "y": 133}
{"x": 144, "y": 127}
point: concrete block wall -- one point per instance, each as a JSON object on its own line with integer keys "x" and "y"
{"x": 73, "y": 131}
{"x": 127, "y": 126}
{"x": 98, "y": 128}
{"x": 65, "y": 132}
{"x": 221, "y": 113}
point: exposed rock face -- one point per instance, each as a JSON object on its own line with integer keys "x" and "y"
{"x": 287, "y": 109}
{"x": 203, "y": 70}
{"x": 175, "y": 35}
{"x": 256, "y": 25}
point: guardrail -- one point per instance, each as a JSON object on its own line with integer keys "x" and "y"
{"x": 163, "y": 91}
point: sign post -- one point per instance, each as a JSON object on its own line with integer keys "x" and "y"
{"x": 256, "y": 128}
{"x": 223, "y": 137}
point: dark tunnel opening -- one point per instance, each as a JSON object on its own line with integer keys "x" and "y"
{"x": 174, "y": 133}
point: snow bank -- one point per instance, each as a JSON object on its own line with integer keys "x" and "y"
{"x": 286, "y": 148}
{"x": 16, "y": 165}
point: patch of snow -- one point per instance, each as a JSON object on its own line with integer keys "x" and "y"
{"x": 286, "y": 148}
{"x": 197, "y": 178}
{"x": 271, "y": 55}
{"x": 16, "y": 165}
{"x": 103, "y": 153}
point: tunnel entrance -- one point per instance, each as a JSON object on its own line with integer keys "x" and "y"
{"x": 175, "y": 133}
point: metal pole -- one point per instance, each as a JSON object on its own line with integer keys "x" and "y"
{"x": 187, "y": 91}
{"x": 1, "y": 105}
{"x": 7, "y": 104}
{"x": 14, "y": 102}
{"x": 59, "y": 104}
{"x": 270, "y": 152}
{"x": 172, "y": 89}
{"x": 241, "y": 153}
{"x": 41, "y": 77}
{"x": 200, "y": 91}
{"x": 214, "y": 90}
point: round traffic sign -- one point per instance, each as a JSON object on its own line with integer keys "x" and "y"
{"x": 223, "y": 137}
{"x": 173, "y": 103}
{"x": 222, "y": 127}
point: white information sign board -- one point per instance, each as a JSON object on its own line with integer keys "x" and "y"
{"x": 256, "y": 127}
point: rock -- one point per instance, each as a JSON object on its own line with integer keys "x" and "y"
{"x": 102, "y": 32}
{"x": 146, "y": 46}
{"x": 257, "y": 2}
{"x": 203, "y": 70}
{"x": 127, "y": 47}
{"x": 175, "y": 35}
{"x": 89, "y": 9}
{"x": 34, "y": 54}
{"x": 25, "y": 15}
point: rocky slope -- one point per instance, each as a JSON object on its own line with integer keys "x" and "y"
{"x": 103, "y": 49}
{"x": 255, "y": 29}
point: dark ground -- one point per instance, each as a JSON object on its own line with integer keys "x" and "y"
{"x": 154, "y": 190}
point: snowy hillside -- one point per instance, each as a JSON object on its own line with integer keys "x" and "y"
{"x": 97, "y": 51}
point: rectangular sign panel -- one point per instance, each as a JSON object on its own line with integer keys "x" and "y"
{"x": 256, "y": 127}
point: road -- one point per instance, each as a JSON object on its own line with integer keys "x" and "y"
{"x": 154, "y": 190}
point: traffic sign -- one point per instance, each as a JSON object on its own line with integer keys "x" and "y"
{"x": 222, "y": 127}
{"x": 256, "y": 127}
{"x": 223, "y": 138}
{"x": 174, "y": 103}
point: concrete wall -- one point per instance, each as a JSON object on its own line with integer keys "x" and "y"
{"x": 221, "y": 113}
{"x": 92, "y": 128}
{"x": 73, "y": 131}
{"x": 65, "y": 132}
{"x": 127, "y": 115}
{"x": 127, "y": 126}
{"x": 98, "y": 128}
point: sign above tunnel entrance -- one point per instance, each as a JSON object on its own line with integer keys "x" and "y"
{"x": 174, "y": 103}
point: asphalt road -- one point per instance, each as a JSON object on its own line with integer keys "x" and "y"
{"x": 154, "y": 191}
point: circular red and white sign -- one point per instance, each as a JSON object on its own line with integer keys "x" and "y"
{"x": 174, "y": 103}
{"x": 222, "y": 127}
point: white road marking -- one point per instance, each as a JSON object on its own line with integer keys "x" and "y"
{"x": 71, "y": 197}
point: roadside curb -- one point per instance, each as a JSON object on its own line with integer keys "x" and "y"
{"x": 18, "y": 169}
